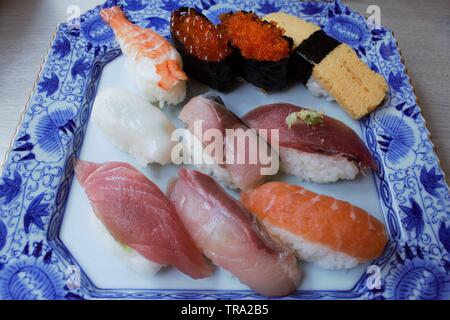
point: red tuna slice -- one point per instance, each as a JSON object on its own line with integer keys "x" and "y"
{"x": 331, "y": 137}
{"x": 140, "y": 216}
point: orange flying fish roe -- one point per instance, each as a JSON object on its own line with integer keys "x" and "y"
{"x": 199, "y": 36}
{"x": 255, "y": 38}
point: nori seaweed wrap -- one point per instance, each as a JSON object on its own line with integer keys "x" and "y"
{"x": 207, "y": 55}
{"x": 310, "y": 52}
{"x": 263, "y": 52}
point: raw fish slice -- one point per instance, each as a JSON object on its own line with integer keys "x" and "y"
{"x": 140, "y": 216}
{"x": 133, "y": 259}
{"x": 210, "y": 109}
{"x": 330, "y": 232}
{"x": 153, "y": 61}
{"x": 229, "y": 235}
{"x": 332, "y": 137}
{"x": 134, "y": 125}
{"x": 322, "y": 152}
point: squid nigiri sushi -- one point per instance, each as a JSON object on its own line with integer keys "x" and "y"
{"x": 244, "y": 144}
{"x": 263, "y": 50}
{"x": 330, "y": 68}
{"x": 205, "y": 49}
{"x": 331, "y": 233}
{"x": 134, "y": 125}
{"x": 231, "y": 237}
{"x": 138, "y": 215}
{"x": 153, "y": 62}
{"x": 313, "y": 146}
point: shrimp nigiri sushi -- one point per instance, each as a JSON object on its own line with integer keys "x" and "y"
{"x": 139, "y": 216}
{"x": 331, "y": 233}
{"x": 134, "y": 125}
{"x": 313, "y": 146}
{"x": 152, "y": 60}
{"x": 245, "y": 155}
{"x": 231, "y": 237}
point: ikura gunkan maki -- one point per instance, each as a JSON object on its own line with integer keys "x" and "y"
{"x": 204, "y": 48}
{"x": 264, "y": 51}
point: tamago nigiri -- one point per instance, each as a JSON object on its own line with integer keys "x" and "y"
{"x": 151, "y": 59}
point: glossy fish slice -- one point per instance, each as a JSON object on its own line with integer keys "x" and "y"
{"x": 231, "y": 237}
{"x": 134, "y": 125}
{"x": 322, "y": 152}
{"x": 138, "y": 215}
{"x": 211, "y": 111}
{"x": 330, "y": 232}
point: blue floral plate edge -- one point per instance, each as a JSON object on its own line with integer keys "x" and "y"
{"x": 37, "y": 173}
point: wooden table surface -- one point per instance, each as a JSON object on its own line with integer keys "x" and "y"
{"x": 422, "y": 29}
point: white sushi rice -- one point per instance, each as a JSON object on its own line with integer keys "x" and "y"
{"x": 319, "y": 254}
{"x": 132, "y": 258}
{"x": 317, "y": 90}
{"x": 317, "y": 167}
{"x": 147, "y": 82}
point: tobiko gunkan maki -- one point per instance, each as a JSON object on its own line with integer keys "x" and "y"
{"x": 264, "y": 51}
{"x": 204, "y": 48}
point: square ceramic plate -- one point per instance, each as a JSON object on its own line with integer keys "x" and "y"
{"x": 46, "y": 236}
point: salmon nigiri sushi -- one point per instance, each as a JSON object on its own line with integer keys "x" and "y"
{"x": 331, "y": 233}
{"x": 154, "y": 63}
{"x": 139, "y": 217}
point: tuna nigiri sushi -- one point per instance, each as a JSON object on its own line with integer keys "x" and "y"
{"x": 231, "y": 237}
{"x": 139, "y": 216}
{"x": 152, "y": 60}
{"x": 331, "y": 233}
{"x": 210, "y": 110}
{"x": 134, "y": 125}
{"x": 313, "y": 146}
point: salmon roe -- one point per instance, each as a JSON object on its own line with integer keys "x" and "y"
{"x": 199, "y": 36}
{"x": 255, "y": 38}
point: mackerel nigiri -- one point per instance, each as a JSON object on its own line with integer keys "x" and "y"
{"x": 231, "y": 237}
{"x": 332, "y": 233}
{"x": 313, "y": 146}
{"x": 152, "y": 60}
{"x": 139, "y": 216}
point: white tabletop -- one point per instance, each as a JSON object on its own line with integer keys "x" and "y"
{"x": 422, "y": 29}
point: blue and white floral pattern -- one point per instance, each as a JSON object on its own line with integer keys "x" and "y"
{"x": 36, "y": 176}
